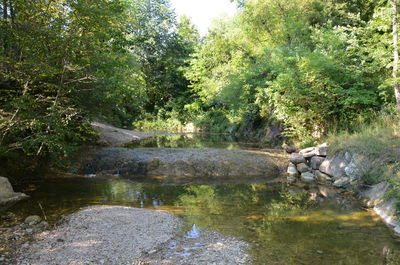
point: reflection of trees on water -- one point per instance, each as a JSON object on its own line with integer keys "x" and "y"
{"x": 137, "y": 194}
{"x": 196, "y": 141}
{"x": 286, "y": 228}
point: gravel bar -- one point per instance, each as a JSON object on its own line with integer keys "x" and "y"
{"x": 124, "y": 235}
{"x": 102, "y": 235}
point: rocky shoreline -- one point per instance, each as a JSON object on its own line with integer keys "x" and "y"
{"x": 343, "y": 170}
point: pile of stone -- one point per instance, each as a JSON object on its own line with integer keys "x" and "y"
{"x": 306, "y": 164}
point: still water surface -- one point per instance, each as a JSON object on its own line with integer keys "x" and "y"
{"x": 282, "y": 228}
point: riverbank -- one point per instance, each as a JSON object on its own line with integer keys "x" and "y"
{"x": 365, "y": 162}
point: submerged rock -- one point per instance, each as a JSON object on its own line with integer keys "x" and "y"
{"x": 33, "y": 219}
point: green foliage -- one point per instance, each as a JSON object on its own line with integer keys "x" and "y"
{"x": 314, "y": 66}
{"x": 166, "y": 121}
{"x": 63, "y": 62}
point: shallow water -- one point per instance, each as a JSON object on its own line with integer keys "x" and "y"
{"x": 198, "y": 140}
{"x": 282, "y": 227}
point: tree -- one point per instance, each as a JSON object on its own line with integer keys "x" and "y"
{"x": 395, "y": 55}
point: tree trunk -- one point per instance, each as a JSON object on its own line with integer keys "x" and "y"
{"x": 395, "y": 55}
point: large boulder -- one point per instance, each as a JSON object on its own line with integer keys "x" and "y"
{"x": 7, "y": 195}
{"x": 385, "y": 206}
{"x": 346, "y": 164}
{"x": 182, "y": 164}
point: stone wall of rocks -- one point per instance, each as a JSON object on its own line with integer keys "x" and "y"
{"x": 343, "y": 170}
{"x": 305, "y": 165}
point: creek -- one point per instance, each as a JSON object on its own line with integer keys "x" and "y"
{"x": 283, "y": 226}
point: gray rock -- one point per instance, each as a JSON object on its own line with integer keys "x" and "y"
{"x": 334, "y": 166}
{"x": 321, "y": 177}
{"x": 384, "y": 206}
{"x": 7, "y": 195}
{"x": 307, "y": 150}
{"x": 289, "y": 148}
{"x": 302, "y": 167}
{"x": 357, "y": 167}
{"x": 5, "y": 187}
{"x": 341, "y": 182}
{"x": 321, "y": 150}
{"x": 376, "y": 194}
{"x": 307, "y": 177}
{"x": 296, "y": 158}
{"x": 43, "y": 224}
{"x": 33, "y": 219}
{"x": 316, "y": 162}
{"x": 345, "y": 164}
{"x": 387, "y": 210}
{"x": 292, "y": 170}
{"x": 309, "y": 154}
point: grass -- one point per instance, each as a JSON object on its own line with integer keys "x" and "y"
{"x": 377, "y": 138}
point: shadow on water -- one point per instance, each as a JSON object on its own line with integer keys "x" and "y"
{"x": 283, "y": 228}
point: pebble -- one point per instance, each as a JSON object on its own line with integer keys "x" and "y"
{"x": 33, "y": 219}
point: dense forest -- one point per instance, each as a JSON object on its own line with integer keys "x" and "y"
{"x": 308, "y": 68}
